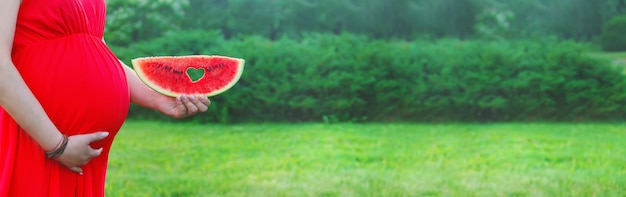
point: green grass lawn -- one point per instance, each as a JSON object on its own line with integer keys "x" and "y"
{"x": 166, "y": 159}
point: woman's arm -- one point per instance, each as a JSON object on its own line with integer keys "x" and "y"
{"x": 17, "y": 100}
{"x": 180, "y": 107}
{"x": 15, "y": 97}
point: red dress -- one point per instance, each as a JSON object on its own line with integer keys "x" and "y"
{"x": 58, "y": 50}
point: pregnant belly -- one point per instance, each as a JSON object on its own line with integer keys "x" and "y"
{"x": 78, "y": 81}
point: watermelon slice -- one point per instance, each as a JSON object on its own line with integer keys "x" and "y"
{"x": 169, "y": 74}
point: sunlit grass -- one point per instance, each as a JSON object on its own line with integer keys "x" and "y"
{"x": 163, "y": 159}
{"x": 609, "y": 56}
{"x": 616, "y": 59}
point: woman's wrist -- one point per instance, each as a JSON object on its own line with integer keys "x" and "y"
{"x": 59, "y": 149}
{"x": 159, "y": 104}
{"x": 52, "y": 142}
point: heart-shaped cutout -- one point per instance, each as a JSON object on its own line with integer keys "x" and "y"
{"x": 195, "y": 74}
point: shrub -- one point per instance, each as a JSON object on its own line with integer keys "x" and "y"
{"x": 613, "y": 34}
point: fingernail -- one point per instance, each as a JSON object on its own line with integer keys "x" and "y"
{"x": 104, "y": 134}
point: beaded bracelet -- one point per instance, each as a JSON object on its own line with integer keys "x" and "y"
{"x": 58, "y": 151}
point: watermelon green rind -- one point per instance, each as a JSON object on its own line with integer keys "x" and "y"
{"x": 141, "y": 73}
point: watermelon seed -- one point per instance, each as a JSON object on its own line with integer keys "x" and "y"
{"x": 195, "y": 74}
{"x": 218, "y": 66}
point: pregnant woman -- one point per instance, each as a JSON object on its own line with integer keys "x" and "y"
{"x": 63, "y": 97}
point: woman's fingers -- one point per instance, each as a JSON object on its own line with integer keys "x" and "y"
{"x": 205, "y": 101}
{"x": 92, "y": 137}
{"x": 190, "y": 107}
{"x": 77, "y": 170}
{"x": 201, "y": 106}
{"x": 187, "y": 105}
{"x": 95, "y": 153}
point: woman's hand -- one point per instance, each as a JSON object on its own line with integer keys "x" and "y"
{"x": 183, "y": 106}
{"x": 78, "y": 152}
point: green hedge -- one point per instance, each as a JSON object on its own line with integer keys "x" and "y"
{"x": 353, "y": 78}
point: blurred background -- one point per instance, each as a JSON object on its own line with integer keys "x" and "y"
{"x": 392, "y": 60}
{"x": 382, "y": 98}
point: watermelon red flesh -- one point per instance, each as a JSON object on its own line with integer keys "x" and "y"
{"x": 168, "y": 74}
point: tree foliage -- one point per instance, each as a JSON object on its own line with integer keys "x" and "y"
{"x": 130, "y": 21}
{"x": 135, "y": 20}
{"x": 614, "y": 34}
